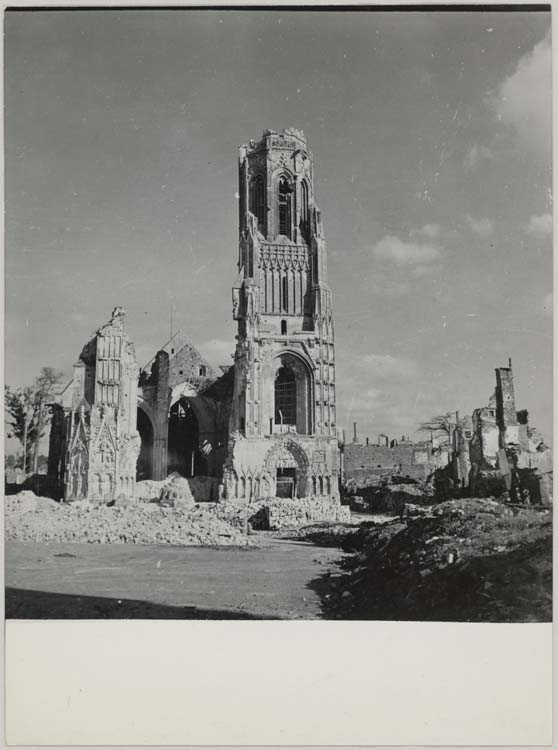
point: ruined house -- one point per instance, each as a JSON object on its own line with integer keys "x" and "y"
{"x": 505, "y": 452}
{"x": 264, "y": 427}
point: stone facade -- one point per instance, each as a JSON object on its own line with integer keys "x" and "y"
{"x": 283, "y": 434}
{"x": 101, "y": 440}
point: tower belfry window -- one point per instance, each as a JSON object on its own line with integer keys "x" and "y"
{"x": 257, "y": 202}
{"x": 284, "y": 208}
{"x": 304, "y": 210}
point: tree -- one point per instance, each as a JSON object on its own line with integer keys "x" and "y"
{"x": 27, "y": 413}
{"x": 443, "y": 424}
{"x": 13, "y": 461}
{"x": 20, "y": 410}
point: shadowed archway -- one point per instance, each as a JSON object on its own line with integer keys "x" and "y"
{"x": 184, "y": 455}
{"x": 144, "y": 469}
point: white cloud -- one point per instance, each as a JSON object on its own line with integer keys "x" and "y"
{"x": 539, "y": 226}
{"x": 475, "y": 155}
{"x": 388, "y": 366}
{"x": 481, "y": 227}
{"x": 405, "y": 253}
{"x": 523, "y": 102}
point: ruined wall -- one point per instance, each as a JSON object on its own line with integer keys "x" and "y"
{"x": 485, "y": 441}
{"x": 380, "y": 462}
{"x": 102, "y": 441}
{"x": 506, "y": 414}
{"x": 187, "y": 364}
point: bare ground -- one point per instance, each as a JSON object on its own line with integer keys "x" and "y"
{"x": 116, "y": 581}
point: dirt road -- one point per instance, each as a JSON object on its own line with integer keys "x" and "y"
{"x": 274, "y": 580}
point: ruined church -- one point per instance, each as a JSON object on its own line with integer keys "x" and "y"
{"x": 265, "y": 427}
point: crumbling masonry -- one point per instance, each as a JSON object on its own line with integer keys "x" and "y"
{"x": 265, "y": 427}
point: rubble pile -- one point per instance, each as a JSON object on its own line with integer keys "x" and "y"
{"x": 282, "y": 513}
{"x": 388, "y": 497}
{"x": 177, "y": 490}
{"x": 462, "y": 560}
{"x": 26, "y": 501}
{"x": 43, "y": 520}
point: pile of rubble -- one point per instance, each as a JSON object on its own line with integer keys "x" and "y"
{"x": 38, "y": 519}
{"x": 471, "y": 560}
{"x": 176, "y": 487}
{"x": 388, "y": 497}
{"x": 282, "y": 513}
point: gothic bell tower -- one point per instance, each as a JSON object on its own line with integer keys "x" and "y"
{"x": 283, "y": 422}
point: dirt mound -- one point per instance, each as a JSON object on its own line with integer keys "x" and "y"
{"x": 463, "y": 560}
{"x": 137, "y": 524}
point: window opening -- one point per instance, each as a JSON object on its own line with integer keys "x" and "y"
{"x": 284, "y": 208}
{"x": 257, "y": 202}
{"x": 304, "y": 210}
{"x": 285, "y": 397}
{"x": 283, "y": 328}
{"x": 285, "y": 295}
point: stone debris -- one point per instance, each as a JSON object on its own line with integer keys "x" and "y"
{"x": 176, "y": 493}
{"x": 280, "y": 513}
{"x": 175, "y": 489}
{"x": 436, "y": 565}
{"x": 388, "y": 497}
{"x": 33, "y": 519}
{"x": 26, "y": 501}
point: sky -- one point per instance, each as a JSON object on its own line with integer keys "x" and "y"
{"x": 431, "y": 136}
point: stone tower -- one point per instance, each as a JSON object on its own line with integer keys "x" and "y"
{"x": 102, "y": 441}
{"x": 506, "y": 415}
{"x": 283, "y": 423}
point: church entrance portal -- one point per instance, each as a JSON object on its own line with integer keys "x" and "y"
{"x": 184, "y": 455}
{"x": 286, "y": 482}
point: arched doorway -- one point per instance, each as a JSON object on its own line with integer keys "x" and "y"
{"x": 286, "y": 464}
{"x": 184, "y": 455}
{"x": 144, "y": 468}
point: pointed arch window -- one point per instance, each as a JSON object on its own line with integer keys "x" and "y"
{"x": 257, "y": 201}
{"x": 304, "y": 209}
{"x": 285, "y": 221}
{"x": 285, "y": 397}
